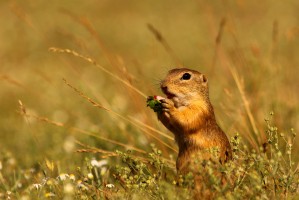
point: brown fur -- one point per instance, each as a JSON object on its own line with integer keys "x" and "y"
{"x": 189, "y": 115}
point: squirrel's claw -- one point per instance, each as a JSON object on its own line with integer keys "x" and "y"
{"x": 167, "y": 105}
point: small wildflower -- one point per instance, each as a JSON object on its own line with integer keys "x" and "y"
{"x": 63, "y": 177}
{"x": 49, "y": 194}
{"x": 80, "y": 185}
{"x": 96, "y": 163}
{"x": 32, "y": 170}
{"x": 103, "y": 171}
{"x": 68, "y": 188}
{"x": 36, "y": 186}
{"x": 27, "y": 175}
{"x": 258, "y": 187}
{"x": 50, "y": 182}
{"x": 19, "y": 185}
{"x": 110, "y": 185}
{"x": 72, "y": 177}
{"x": 8, "y": 196}
{"x": 284, "y": 176}
{"x": 89, "y": 176}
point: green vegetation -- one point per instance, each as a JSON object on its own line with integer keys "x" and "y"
{"x": 268, "y": 173}
{"x": 154, "y": 104}
{"x": 74, "y": 121}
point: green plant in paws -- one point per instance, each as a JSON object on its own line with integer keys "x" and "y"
{"x": 154, "y": 103}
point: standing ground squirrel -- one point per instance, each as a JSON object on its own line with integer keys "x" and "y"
{"x": 188, "y": 113}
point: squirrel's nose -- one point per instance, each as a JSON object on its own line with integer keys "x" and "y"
{"x": 164, "y": 88}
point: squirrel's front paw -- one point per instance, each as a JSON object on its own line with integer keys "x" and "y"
{"x": 167, "y": 105}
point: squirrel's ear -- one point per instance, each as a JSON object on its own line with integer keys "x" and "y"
{"x": 204, "y": 79}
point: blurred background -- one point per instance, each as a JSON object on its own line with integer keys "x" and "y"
{"x": 247, "y": 49}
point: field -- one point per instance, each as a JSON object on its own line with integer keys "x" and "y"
{"x": 74, "y": 79}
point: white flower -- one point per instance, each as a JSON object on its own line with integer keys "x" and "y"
{"x": 63, "y": 177}
{"x": 110, "y": 185}
{"x": 19, "y": 185}
{"x": 72, "y": 177}
{"x": 96, "y": 163}
{"x": 36, "y": 186}
{"x": 80, "y": 185}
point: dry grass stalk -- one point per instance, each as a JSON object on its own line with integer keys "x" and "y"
{"x": 44, "y": 119}
{"x": 249, "y": 137}
{"x": 246, "y": 104}
{"x": 83, "y": 21}
{"x": 11, "y": 80}
{"x": 165, "y": 44}
{"x": 159, "y": 140}
{"x": 275, "y": 34}
{"x": 95, "y": 104}
{"x": 89, "y": 149}
{"x": 151, "y": 128}
{"x": 218, "y": 43}
{"x": 21, "y": 14}
{"x": 258, "y": 139}
{"x": 120, "y": 116}
{"x": 92, "y": 61}
{"x": 24, "y": 113}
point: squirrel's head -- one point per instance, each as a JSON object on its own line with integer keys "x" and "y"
{"x": 184, "y": 86}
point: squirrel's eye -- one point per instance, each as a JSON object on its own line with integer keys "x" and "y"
{"x": 186, "y": 76}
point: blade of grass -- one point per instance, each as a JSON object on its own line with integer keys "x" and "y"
{"x": 217, "y": 44}
{"x": 151, "y": 128}
{"x": 89, "y": 149}
{"x": 165, "y": 44}
{"x": 245, "y": 102}
{"x": 59, "y": 124}
{"x": 115, "y": 113}
{"x": 92, "y": 61}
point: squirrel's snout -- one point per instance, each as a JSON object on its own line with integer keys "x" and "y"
{"x": 164, "y": 89}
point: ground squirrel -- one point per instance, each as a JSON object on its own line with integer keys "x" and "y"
{"x": 188, "y": 113}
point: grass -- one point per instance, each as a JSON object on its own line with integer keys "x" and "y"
{"x": 270, "y": 172}
{"x": 74, "y": 122}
